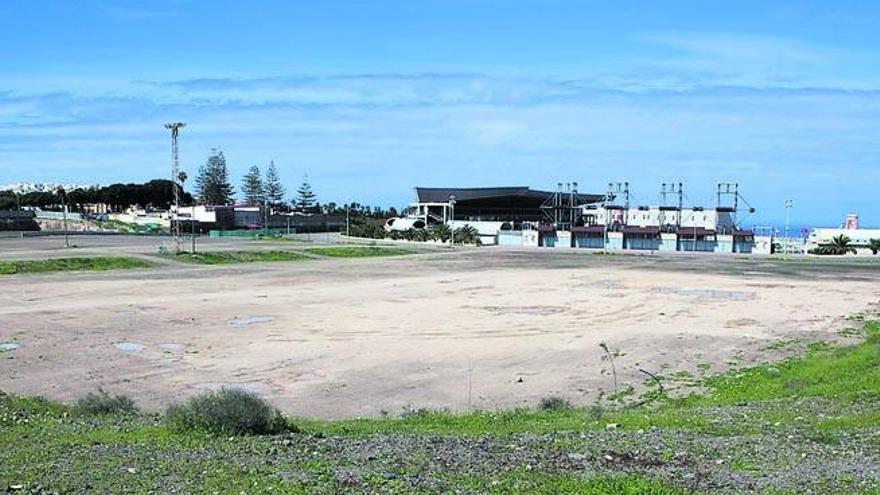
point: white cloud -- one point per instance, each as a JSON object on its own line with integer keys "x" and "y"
{"x": 374, "y": 137}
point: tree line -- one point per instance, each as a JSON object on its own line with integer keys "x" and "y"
{"x": 158, "y": 193}
{"x": 212, "y": 187}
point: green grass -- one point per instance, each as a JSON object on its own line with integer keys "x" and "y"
{"x": 357, "y": 251}
{"x": 45, "y": 442}
{"x": 521, "y": 481}
{"x": 227, "y": 257}
{"x": 282, "y": 239}
{"x": 843, "y": 374}
{"x": 101, "y": 263}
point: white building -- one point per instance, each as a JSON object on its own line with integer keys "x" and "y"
{"x": 859, "y": 238}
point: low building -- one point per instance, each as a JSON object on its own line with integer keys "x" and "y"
{"x": 18, "y": 220}
{"x": 860, "y": 239}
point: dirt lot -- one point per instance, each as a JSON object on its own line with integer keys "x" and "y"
{"x": 484, "y": 328}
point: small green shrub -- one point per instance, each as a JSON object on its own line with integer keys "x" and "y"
{"x": 554, "y": 404}
{"x": 104, "y": 403}
{"x": 228, "y": 411}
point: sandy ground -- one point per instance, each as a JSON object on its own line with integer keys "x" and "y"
{"x": 485, "y": 328}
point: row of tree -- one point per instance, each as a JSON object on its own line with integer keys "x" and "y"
{"x": 440, "y": 232}
{"x": 213, "y": 187}
{"x": 157, "y": 193}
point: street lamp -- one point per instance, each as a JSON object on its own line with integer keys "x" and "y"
{"x": 63, "y": 195}
{"x": 789, "y": 204}
{"x": 452, "y": 220}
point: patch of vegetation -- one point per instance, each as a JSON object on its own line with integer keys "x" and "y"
{"x": 100, "y": 263}
{"x": 281, "y": 238}
{"x": 227, "y": 411}
{"x": 524, "y": 481}
{"x": 227, "y": 257}
{"x": 103, "y": 403}
{"x": 205, "y": 444}
{"x": 129, "y": 228}
{"x": 744, "y": 466}
{"x": 781, "y": 344}
{"x": 441, "y": 232}
{"x": 838, "y": 246}
{"x": 357, "y": 251}
{"x": 554, "y": 404}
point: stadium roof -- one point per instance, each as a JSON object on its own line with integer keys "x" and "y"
{"x": 441, "y": 194}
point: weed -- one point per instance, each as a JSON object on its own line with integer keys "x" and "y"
{"x": 228, "y": 411}
{"x": 357, "y": 251}
{"x": 554, "y": 404}
{"x": 226, "y": 257}
{"x": 104, "y": 403}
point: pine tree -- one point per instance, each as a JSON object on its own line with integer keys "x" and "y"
{"x": 305, "y": 198}
{"x": 273, "y": 189}
{"x": 212, "y": 184}
{"x": 252, "y": 187}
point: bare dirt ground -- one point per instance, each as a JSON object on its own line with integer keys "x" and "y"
{"x": 475, "y": 328}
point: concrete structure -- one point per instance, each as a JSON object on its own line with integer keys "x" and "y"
{"x": 662, "y": 228}
{"x": 568, "y": 219}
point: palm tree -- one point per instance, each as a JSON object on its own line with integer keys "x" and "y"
{"x": 441, "y": 232}
{"x": 840, "y": 245}
{"x": 874, "y": 245}
{"x": 421, "y": 235}
{"x": 467, "y": 235}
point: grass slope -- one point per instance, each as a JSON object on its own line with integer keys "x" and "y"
{"x": 226, "y": 257}
{"x": 70, "y": 264}
{"x": 357, "y": 251}
{"x": 810, "y": 422}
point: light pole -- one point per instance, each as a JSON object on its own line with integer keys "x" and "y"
{"x": 175, "y": 127}
{"x": 789, "y": 204}
{"x": 63, "y": 195}
{"x": 452, "y": 220}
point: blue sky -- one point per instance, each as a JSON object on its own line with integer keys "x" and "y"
{"x": 372, "y": 98}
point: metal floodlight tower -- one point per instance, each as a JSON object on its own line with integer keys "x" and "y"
{"x": 676, "y": 189}
{"x": 175, "y": 127}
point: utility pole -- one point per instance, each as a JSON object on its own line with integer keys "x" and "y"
{"x": 175, "y": 127}
{"x": 348, "y": 219}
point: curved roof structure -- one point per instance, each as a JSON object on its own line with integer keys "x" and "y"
{"x": 521, "y": 194}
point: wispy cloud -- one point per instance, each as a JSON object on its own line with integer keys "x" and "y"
{"x": 692, "y": 59}
{"x": 384, "y": 133}
{"x": 129, "y": 13}
{"x": 744, "y": 48}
